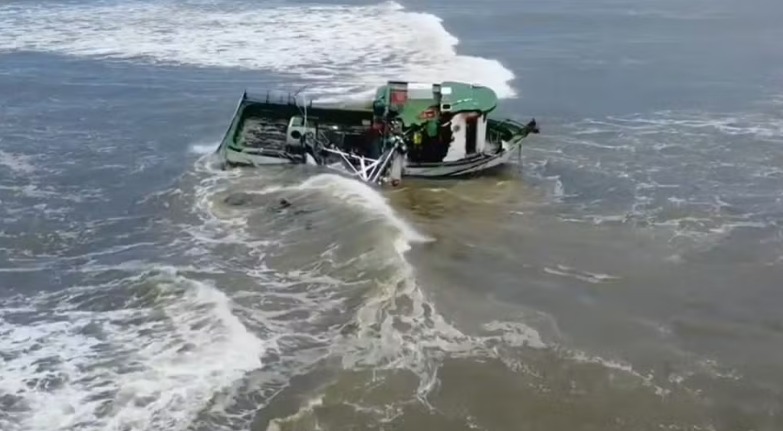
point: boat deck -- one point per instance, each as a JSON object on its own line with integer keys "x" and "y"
{"x": 263, "y": 132}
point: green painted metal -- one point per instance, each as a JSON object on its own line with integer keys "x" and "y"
{"x": 457, "y": 96}
{"x": 468, "y": 97}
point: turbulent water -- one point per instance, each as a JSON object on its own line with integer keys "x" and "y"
{"x": 625, "y": 275}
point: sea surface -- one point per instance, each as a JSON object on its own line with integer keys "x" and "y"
{"x": 626, "y": 273}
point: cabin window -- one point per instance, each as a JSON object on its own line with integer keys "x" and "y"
{"x": 420, "y": 91}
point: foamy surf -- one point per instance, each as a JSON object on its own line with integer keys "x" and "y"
{"x": 338, "y": 49}
{"x": 360, "y": 194}
{"x": 399, "y": 302}
{"x": 203, "y": 148}
{"x": 344, "y": 190}
{"x": 16, "y": 163}
{"x": 396, "y": 326}
{"x": 361, "y": 308}
{"x": 152, "y": 364}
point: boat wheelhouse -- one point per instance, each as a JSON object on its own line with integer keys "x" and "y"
{"x": 448, "y": 121}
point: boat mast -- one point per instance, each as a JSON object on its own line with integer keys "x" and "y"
{"x": 304, "y": 103}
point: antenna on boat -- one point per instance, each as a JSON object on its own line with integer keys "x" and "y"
{"x": 304, "y": 103}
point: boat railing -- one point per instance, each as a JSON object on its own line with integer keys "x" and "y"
{"x": 514, "y": 128}
{"x": 494, "y": 137}
{"x": 513, "y": 123}
{"x": 233, "y": 123}
{"x": 367, "y": 169}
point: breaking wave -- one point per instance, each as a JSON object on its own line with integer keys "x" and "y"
{"x": 380, "y": 319}
{"x": 335, "y": 48}
{"x": 150, "y": 358}
{"x": 386, "y": 320}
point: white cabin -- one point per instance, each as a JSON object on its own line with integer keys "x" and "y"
{"x": 469, "y": 131}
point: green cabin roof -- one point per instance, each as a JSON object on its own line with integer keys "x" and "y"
{"x": 454, "y": 97}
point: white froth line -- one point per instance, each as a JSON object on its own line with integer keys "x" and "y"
{"x": 342, "y": 48}
{"x": 203, "y": 148}
{"x": 358, "y": 193}
{"x": 516, "y": 333}
{"x": 21, "y": 269}
{"x": 17, "y": 163}
{"x": 175, "y": 381}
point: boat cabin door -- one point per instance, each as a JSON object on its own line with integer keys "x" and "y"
{"x": 471, "y": 128}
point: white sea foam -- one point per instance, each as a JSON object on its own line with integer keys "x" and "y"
{"x": 17, "y": 163}
{"x": 136, "y": 367}
{"x": 698, "y": 175}
{"x": 338, "y": 48}
{"x": 758, "y": 125}
{"x": 203, "y": 148}
{"x": 589, "y": 277}
{"x": 396, "y": 325}
{"x": 355, "y": 193}
{"x": 400, "y": 302}
{"x": 358, "y": 193}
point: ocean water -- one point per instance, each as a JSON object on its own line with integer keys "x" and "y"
{"x": 624, "y": 274}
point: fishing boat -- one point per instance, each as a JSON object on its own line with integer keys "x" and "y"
{"x": 408, "y": 129}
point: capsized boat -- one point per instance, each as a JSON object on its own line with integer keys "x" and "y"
{"x": 408, "y": 129}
